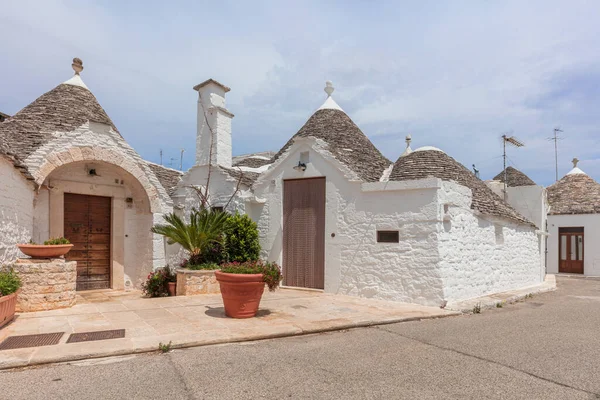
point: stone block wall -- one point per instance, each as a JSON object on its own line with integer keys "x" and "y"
{"x": 46, "y": 284}
{"x": 191, "y": 282}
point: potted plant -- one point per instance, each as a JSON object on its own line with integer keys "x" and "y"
{"x": 242, "y": 285}
{"x": 9, "y": 287}
{"x": 53, "y": 248}
{"x": 171, "y": 280}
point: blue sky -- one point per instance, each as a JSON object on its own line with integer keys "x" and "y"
{"x": 455, "y": 74}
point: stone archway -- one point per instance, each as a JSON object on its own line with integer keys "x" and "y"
{"x": 100, "y": 154}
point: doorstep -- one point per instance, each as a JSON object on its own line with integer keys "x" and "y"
{"x": 188, "y": 321}
{"x": 511, "y": 296}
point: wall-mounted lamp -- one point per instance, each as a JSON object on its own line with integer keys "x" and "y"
{"x": 300, "y": 167}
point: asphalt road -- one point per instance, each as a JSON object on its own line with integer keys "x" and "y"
{"x": 546, "y": 347}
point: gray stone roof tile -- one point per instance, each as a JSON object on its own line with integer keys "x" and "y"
{"x": 437, "y": 164}
{"x": 346, "y": 142}
{"x": 514, "y": 178}
{"x": 574, "y": 194}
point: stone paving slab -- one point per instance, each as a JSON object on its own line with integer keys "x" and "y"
{"x": 188, "y": 321}
{"x": 511, "y": 296}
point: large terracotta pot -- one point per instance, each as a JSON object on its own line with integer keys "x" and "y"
{"x": 45, "y": 250}
{"x": 8, "y": 305}
{"x": 241, "y": 293}
{"x": 172, "y": 288}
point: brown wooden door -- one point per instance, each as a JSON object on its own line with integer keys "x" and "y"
{"x": 304, "y": 233}
{"x": 87, "y": 226}
{"x": 570, "y": 250}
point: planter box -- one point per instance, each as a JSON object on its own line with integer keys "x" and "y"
{"x": 46, "y": 284}
{"x": 190, "y": 282}
{"x": 8, "y": 305}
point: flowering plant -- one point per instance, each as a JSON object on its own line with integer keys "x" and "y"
{"x": 156, "y": 283}
{"x": 270, "y": 270}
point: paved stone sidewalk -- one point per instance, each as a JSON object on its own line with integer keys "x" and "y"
{"x": 194, "y": 321}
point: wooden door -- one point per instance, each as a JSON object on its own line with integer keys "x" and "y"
{"x": 570, "y": 249}
{"x": 304, "y": 233}
{"x": 87, "y": 226}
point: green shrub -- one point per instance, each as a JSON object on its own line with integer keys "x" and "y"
{"x": 203, "y": 266}
{"x": 9, "y": 282}
{"x": 55, "y": 241}
{"x": 242, "y": 242}
{"x": 270, "y": 270}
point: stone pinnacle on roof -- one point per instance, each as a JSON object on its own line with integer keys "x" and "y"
{"x": 408, "y": 150}
{"x": 330, "y": 104}
{"x": 77, "y": 65}
{"x": 76, "y": 80}
{"x": 576, "y": 170}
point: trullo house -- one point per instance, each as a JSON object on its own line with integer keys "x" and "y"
{"x": 336, "y": 213}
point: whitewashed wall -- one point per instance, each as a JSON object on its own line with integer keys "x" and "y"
{"x": 480, "y": 255}
{"x": 16, "y": 211}
{"x": 591, "y": 250}
{"x": 355, "y": 264}
{"x": 529, "y": 201}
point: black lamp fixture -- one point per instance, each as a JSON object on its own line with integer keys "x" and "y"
{"x": 300, "y": 167}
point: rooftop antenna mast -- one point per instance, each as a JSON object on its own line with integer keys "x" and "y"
{"x": 160, "y": 156}
{"x": 513, "y": 141}
{"x": 171, "y": 162}
{"x": 556, "y": 138}
{"x": 181, "y": 160}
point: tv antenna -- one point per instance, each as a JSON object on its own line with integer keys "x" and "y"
{"x": 556, "y": 138}
{"x": 161, "y": 156}
{"x": 513, "y": 141}
{"x": 171, "y": 162}
{"x": 181, "y": 160}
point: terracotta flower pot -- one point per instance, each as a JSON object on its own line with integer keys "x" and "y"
{"x": 45, "y": 250}
{"x": 241, "y": 293}
{"x": 8, "y": 304}
{"x": 172, "y": 288}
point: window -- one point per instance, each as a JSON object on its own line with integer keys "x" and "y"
{"x": 219, "y": 209}
{"x": 388, "y": 237}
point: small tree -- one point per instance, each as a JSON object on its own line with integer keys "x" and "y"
{"x": 242, "y": 238}
{"x": 204, "y": 231}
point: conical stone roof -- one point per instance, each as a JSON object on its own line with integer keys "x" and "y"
{"x": 434, "y": 163}
{"x": 514, "y": 178}
{"x": 62, "y": 109}
{"x": 346, "y": 142}
{"x": 575, "y": 193}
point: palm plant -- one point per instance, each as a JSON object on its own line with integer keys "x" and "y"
{"x": 204, "y": 231}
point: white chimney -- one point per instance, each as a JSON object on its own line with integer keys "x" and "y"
{"x": 213, "y": 115}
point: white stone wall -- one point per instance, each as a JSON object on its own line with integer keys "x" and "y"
{"x": 481, "y": 255}
{"x": 16, "y": 211}
{"x": 591, "y": 232}
{"x": 355, "y": 264}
